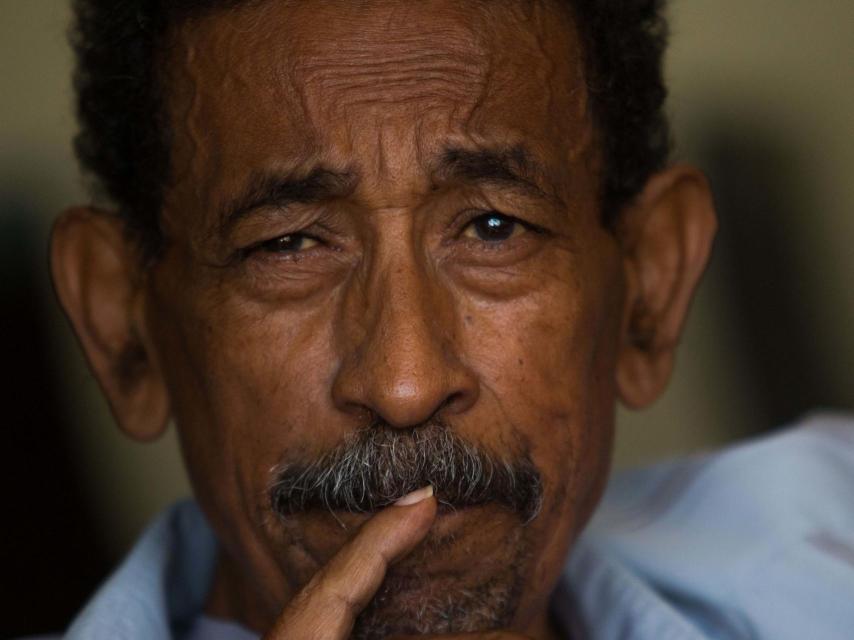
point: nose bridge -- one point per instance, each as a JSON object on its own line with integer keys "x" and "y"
{"x": 401, "y": 367}
{"x": 403, "y": 351}
{"x": 407, "y": 331}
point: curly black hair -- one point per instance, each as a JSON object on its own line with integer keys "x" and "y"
{"x": 124, "y": 137}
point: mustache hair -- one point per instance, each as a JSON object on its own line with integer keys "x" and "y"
{"x": 375, "y": 466}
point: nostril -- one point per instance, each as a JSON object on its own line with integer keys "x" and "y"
{"x": 458, "y": 401}
{"x": 452, "y": 401}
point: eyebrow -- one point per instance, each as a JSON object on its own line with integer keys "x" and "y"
{"x": 282, "y": 190}
{"x": 513, "y": 166}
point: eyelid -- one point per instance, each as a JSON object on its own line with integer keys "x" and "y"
{"x": 473, "y": 214}
{"x": 470, "y": 231}
{"x": 299, "y": 236}
{"x": 318, "y": 222}
{"x": 245, "y": 252}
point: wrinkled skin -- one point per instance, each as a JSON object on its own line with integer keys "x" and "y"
{"x": 395, "y": 310}
{"x": 385, "y": 298}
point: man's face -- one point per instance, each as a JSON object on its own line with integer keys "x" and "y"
{"x": 384, "y": 216}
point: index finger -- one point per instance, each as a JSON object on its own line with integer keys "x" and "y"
{"x": 326, "y": 608}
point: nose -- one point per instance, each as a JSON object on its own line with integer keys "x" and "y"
{"x": 400, "y": 360}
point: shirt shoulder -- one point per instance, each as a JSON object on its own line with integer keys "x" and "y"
{"x": 756, "y": 541}
{"x": 160, "y": 588}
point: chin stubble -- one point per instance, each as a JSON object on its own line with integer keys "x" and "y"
{"x": 411, "y": 605}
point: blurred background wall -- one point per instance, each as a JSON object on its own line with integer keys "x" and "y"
{"x": 762, "y": 100}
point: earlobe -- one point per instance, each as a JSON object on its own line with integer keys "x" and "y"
{"x": 97, "y": 280}
{"x": 666, "y": 237}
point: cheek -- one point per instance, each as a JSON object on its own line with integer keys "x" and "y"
{"x": 546, "y": 362}
{"x": 245, "y": 383}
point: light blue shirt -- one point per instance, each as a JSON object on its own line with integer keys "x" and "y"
{"x": 756, "y": 542}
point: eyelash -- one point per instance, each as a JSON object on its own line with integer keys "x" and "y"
{"x": 479, "y": 214}
{"x": 471, "y": 219}
{"x": 259, "y": 247}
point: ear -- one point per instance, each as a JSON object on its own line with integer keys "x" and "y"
{"x": 97, "y": 276}
{"x": 666, "y": 237}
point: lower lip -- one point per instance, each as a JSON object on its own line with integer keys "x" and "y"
{"x": 449, "y": 519}
{"x": 447, "y": 516}
{"x": 456, "y": 535}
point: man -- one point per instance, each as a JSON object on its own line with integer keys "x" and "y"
{"x": 388, "y": 265}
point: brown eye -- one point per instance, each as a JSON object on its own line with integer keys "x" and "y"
{"x": 493, "y": 227}
{"x": 291, "y": 243}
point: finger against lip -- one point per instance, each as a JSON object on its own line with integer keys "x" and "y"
{"x": 327, "y": 607}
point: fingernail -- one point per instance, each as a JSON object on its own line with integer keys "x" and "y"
{"x": 415, "y": 497}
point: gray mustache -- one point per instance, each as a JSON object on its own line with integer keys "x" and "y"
{"x": 377, "y": 465}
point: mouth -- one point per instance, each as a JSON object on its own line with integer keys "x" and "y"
{"x": 453, "y": 524}
{"x": 446, "y": 506}
{"x": 462, "y": 540}
{"x": 444, "y": 509}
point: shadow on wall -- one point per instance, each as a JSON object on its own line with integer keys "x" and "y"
{"x": 52, "y": 556}
{"x": 763, "y": 205}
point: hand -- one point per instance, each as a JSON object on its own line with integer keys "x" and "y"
{"x": 326, "y": 608}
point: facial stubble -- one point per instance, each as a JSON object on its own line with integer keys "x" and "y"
{"x": 414, "y": 604}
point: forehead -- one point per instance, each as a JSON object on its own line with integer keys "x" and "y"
{"x": 375, "y": 85}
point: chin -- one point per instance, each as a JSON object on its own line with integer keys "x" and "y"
{"x": 413, "y": 604}
{"x": 452, "y": 583}
{"x": 468, "y": 575}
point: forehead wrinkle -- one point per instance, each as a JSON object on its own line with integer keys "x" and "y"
{"x": 212, "y": 68}
{"x": 402, "y": 82}
{"x": 387, "y": 73}
{"x": 552, "y": 33}
{"x": 398, "y": 55}
{"x": 481, "y": 79}
{"x": 575, "y": 86}
{"x": 191, "y": 164}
